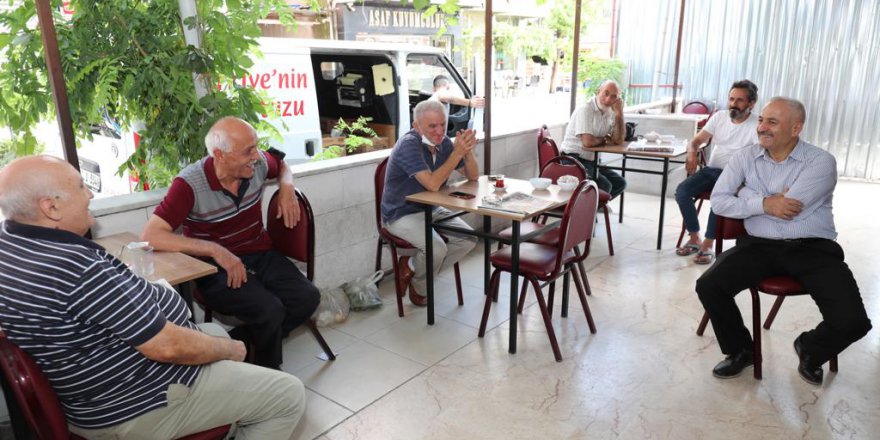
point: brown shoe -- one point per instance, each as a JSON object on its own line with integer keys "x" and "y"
{"x": 415, "y": 298}
{"x": 406, "y": 274}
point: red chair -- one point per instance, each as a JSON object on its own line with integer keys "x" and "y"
{"x": 698, "y": 108}
{"x": 394, "y": 242}
{"x": 547, "y": 150}
{"x": 297, "y": 243}
{"x": 538, "y": 262}
{"x": 30, "y": 396}
{"x": 780, "y": 286}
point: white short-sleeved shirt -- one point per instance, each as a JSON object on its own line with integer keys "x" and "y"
{"x": 586, "y": 119}
{"x": 728, "y": 137}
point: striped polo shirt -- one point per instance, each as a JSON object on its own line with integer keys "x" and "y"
{"x": 207, "y": 211}
{"x": 80, "y": 313}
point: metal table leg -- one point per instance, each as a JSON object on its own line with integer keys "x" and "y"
{"x": 429, "y": 261}
{"x": 514, "y": 285}
{"x": 662, "y": 201}
{"x": 487, "y": 250}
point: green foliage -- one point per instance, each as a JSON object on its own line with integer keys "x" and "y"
{"x": 357, "y": 134}
{"x": 597, "y": 70}
{"x": 12, "y": 148}
{"x": 128, "y": 59}
{"x": 331, "y": 152}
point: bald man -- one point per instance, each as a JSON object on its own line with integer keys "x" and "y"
{"x": 218, "y": 202}
{"x": 121, "y": 353}
{"x": 596, "y": 123}
{"x": 782, "y": 187}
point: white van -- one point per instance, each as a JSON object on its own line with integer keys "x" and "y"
{"x": 313, "y": 83}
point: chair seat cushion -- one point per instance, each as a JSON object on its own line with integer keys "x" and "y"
{"x": 534, "y": 259}
{"x": 549, "y": 238}
{"x": 781, "y": 285}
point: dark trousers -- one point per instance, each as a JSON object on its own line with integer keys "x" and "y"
{"x": 815, "y": 263}
{"x": 607, "y": 180}
{"x": 276, "y": 299}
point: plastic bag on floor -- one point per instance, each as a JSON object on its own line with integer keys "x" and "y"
{"x": 362, "y": 293}
{"x": 334, "y": 307}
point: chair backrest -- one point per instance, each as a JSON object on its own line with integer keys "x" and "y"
{"x": 379, "y": 188}
{"x": 298, "y": 242}
{"x": 727, "y": 229}
{"x": 563, "y": 165}
{"x": 547, "y": 148}
{"x": 696, "y": 108}
{"x": 33, "y": 393}
{"x": 578, "y": 220}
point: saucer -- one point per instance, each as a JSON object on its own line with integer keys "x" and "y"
{"x": 500, "y": 188}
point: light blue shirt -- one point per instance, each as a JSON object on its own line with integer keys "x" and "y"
{"x": 810, "y": 175}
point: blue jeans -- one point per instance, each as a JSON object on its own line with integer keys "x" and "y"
{"x": 703, "y": 180}
{"x": 607, "y": 180}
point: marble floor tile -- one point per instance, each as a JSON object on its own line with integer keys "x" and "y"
{"x": 645, "y": 374}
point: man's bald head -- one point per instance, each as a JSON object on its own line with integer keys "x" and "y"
{"x": 46, "y": 191}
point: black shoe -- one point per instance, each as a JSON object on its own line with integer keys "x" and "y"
{"x": 733, "y": 365}
{"x": 810, "y": 373}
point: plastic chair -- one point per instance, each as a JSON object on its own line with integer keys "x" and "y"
{"x": 297, "y": 243}
{"x": 547, "y": 150}
{"x": 30, "y": 396}
{"x": 386, "y": 238}
{"x": 538, "y": 262}
{"x": 698, "y": 108}
{"x": 780, "y": 286}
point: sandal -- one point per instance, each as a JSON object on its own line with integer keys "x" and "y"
{"x": 688, "y": 249}
{"x": 704, "y": 257}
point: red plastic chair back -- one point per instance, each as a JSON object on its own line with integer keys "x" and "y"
{"x": 727, "y": 229}
{"x": 563, "y": 165}
{"x": 547, "y": 150}
{"x": 299, "y": 242}
{"x": 696, "y": 108}
{"x": 578, "y": 220}
{"x": 34, "y": 394}
{"x": 543, "y": 133}
{"x": 379, "y": 188}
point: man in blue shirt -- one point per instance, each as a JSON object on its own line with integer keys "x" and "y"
{"x": 782, "y": 188}
{"x": 422, "y": 160}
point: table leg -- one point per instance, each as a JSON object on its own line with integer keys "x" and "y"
{"x": 623, "y": 175}
{"x": 565, "y": 281}
{"x": 514, "y": 285}
{"x": 429, "y": 261}
{"x": 186, "y": 292}
{"x": 662, "y": 201}
{"x": 487, "y": 251}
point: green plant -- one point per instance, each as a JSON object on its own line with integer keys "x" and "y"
{"x": 129, "y": 59}
{"x": 330, "y": 152}
{"x": 12, "y": 148}
{"x": 357, "y": 134}
{"x": 597, "y": 70}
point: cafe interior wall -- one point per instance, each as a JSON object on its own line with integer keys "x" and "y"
{"x": 820, "y": 52}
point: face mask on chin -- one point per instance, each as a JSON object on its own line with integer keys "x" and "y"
{"x": 427, "y": 141}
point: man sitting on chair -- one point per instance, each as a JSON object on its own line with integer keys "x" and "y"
{"x": 120, "y": 352}
{"x": 783, "y": 189}
{"x": 218, "y": 202}
{"x": 422, "y": 160}
{"x": 729, "y": 133}
{"x": 598, "y": 122}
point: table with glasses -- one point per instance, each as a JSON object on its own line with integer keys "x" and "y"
{"x": 548, "y": 199}
{"x": 175, "y": 267}
{"x": 679, "y": 148}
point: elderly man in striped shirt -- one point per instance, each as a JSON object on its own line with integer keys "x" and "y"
{"x": 120, "y": 352}
{"x": 783, "y": 188}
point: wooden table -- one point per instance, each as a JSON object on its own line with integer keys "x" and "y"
{"x": 480, "y": 188}
{"x": 175, "y": 267}
{"x": 680, "y": 148}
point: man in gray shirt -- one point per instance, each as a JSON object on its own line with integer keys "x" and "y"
{"x": 782, "y": 188}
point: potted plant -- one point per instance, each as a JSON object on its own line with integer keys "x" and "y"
{"x": 348, "y": 138}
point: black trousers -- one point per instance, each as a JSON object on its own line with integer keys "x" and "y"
{"x": 815, "y": 263}
{"x": 276, "y": 299}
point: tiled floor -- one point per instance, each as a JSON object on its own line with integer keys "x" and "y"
{"x": 645, "y": 374}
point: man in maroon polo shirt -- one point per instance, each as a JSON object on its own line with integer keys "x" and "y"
{"x": 217, "y": 201}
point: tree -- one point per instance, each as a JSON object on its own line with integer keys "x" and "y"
{"x": 128, "y": 59}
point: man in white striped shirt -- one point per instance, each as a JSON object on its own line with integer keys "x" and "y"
{"x": 782, "y": 188}
{"x": 120, "y": 352}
